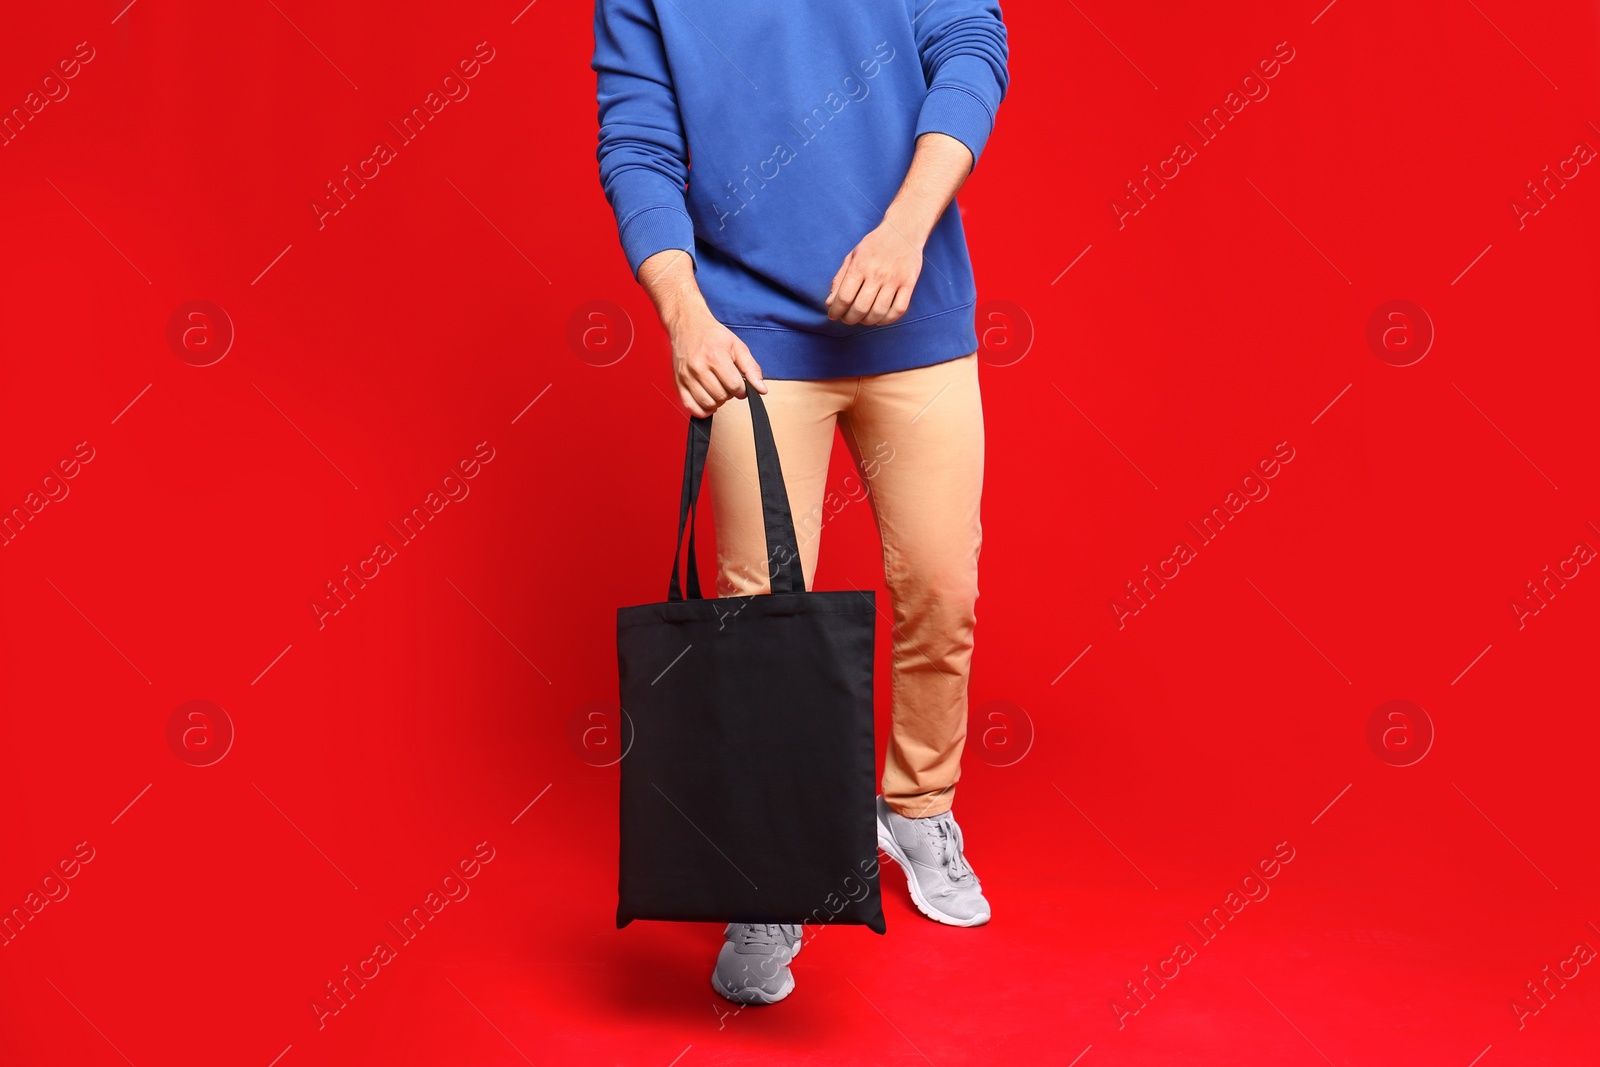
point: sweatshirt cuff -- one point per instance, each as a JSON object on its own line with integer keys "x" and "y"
{"x": 958, "y": 113}
{"x": 656, "y": 229}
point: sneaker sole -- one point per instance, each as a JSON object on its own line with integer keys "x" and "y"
{"x": 887, "y": 843}
{"x": 753, "y": 997}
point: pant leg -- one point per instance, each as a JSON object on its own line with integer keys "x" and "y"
{"x": 803, "y": 416}
{"x": 917, "y": 436}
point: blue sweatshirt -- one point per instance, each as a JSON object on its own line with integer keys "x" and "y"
{"x": 767, "y": 139}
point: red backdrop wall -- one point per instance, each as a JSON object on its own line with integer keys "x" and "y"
{"x": 461, "y": 335}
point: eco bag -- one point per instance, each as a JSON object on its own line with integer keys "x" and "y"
{"x": 748, "y": 787}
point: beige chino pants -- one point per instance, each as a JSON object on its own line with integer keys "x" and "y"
{"x": 917, "y": 439}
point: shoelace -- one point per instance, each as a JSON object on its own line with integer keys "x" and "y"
{"x": 758, "y": 934}
{"x": 941, "y": 836}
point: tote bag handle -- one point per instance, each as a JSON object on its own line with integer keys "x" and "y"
{"x": 783, "y": 551}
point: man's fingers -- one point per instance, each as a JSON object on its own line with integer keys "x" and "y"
{"x": 845, "y": 293}
{"x": 706, "y": 378}
{"x": 902, "y": 301}
{"x": 728, "y": 375}
{"x": 833, "y": 286}
{"x": 748, "y": 366}
{"x": 862, "y": 304}
{"x": 881, "y": 306}
{"x": 689, "y": 403}
{"x": 698, "y": 394}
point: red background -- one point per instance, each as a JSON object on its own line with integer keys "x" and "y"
{"x": 374, "y": 353}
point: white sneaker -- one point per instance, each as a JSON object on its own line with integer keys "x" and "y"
{"x": 929, "y": 850}
{"x": 753, "y": 966}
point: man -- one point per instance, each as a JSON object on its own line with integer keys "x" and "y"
{"x": 780, "y": 174}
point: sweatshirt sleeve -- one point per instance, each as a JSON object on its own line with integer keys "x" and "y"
{"x": 964, "y": 58}
{"x": 643, "y": 152}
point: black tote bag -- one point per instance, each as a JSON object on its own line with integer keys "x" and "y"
{"x": 747, "y": 791}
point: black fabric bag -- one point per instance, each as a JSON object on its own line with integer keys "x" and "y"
{"x": 747, "y": 790}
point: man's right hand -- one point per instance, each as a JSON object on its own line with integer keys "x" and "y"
{"x": 708, "y": 360}
{"x": 707, "y": 357}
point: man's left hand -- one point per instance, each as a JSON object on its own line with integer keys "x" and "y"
{"x": 874, "y": 284}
